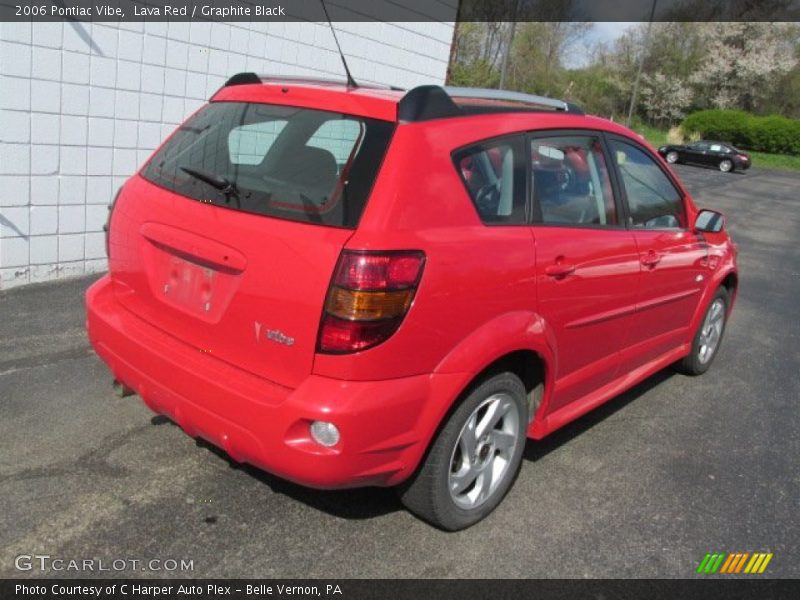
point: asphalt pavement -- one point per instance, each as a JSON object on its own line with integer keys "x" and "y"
{"x": 642, "y": 487}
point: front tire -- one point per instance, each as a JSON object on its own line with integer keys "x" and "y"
{"x": 708, "y": 337}
{"x": 725, "y": 165}
{"x": 474, "y": 459}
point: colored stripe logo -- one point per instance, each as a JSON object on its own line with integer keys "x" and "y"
{"x": 733, "y": 563}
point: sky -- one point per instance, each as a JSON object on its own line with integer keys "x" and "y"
{"x": 609, "y": 31}
{"x": 601, "y": 32}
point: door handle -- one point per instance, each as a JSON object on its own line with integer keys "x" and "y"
{"x": 559, "y": 270}
{"x": 651, "y": 259}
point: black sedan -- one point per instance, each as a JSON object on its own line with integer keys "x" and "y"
{"x": 718, "y": 154}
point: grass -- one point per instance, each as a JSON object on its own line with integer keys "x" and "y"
{"x": 762, "y": 160}
{"x": 656, "y": 137}
{"x": 775, "y": 161}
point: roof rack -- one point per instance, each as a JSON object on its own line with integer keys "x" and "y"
{"x": 248, "y": 78}
{"x": 436, "y": 102}
{"x": 426, "y": 102}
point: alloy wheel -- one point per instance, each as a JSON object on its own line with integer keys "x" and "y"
{"x": 711, "y": 333}
{"x": 482, "y": 454}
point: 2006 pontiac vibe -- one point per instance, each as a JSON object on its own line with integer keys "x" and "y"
{"x": 353, "y": 286}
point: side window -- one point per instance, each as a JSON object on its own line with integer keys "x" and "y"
{"x": 570, "y": 182}
{"x": 653, "y": 201}
{"x": 249, "y": 144}
{"x": 494, "y": 175}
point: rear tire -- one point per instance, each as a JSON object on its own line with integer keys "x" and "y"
{"x": 725, "y": 165}
{"x": 672, "y": 157}
{"x": 708, "y": 336}
{"x": 474, "y": 459}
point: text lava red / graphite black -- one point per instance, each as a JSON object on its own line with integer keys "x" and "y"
{"x": 355, "y": 286}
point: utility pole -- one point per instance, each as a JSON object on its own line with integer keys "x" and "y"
{"x": 641, "y": 64}
{"x": 507, "y": 53}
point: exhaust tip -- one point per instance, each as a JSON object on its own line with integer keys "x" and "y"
{"x": 121, "y": 390}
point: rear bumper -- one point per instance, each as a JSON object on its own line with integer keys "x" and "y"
{"x": 259, "y": 422}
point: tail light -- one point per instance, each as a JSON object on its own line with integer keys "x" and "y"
{"x": 107, "y": 225}
{"x": 369, "y": 296}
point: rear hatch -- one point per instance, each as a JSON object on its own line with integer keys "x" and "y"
{"x": 228, "y": 237}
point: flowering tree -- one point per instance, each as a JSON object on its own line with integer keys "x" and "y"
{"x": 742, "y": 62}
{"x": 665, "y": 99}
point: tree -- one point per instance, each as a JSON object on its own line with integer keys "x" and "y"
{"x": 743, "y": 62}
{"x": 476, "y": 54}
{"x": 686, "y": 66}
{"x": 665, "y": 99}
{"x": 538, "y": 55}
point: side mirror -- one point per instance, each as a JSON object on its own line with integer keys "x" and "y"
{"x": 709, "y": 221}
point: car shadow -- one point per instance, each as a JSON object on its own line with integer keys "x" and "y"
{"x": 372, "y": 502}
{"x": 355, "y": 504}
{"x": 537, "y": 449}
{"x": 716, "y": 169}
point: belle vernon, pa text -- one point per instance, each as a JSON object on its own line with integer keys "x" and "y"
{"x": 60, "y": 589}
{"x": 165, "y": 10}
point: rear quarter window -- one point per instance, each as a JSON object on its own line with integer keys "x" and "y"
{"x": 493, "y": 173}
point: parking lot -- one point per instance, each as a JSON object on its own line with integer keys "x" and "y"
{"x": 642, "y": 487}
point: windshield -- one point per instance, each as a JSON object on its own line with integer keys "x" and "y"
{"x": 294, "y": 163}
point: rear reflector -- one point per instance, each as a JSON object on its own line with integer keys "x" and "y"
{"x": 324, "y": 433}
{"x": 369, "y": 296}
{"x": 339, "y": 336}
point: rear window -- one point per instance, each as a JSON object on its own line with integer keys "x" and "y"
{"x": 293, "y": 163}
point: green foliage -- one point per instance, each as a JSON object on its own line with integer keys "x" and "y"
{"x": 717, "y": 124}
{"x": 772, "y": 134}
{"x": 596, "y": 90}
{"x": 478, "y": 74}
{"x": 656, "y": 137}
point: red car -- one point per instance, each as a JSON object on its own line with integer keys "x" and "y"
{"x": 369, "y": 287}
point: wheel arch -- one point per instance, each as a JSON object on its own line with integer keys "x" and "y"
{"x": 525, "y": 363}
{"x": 519, "y": 342}
{"x": 729, "y": 279}
{"x": 731, "y": 283}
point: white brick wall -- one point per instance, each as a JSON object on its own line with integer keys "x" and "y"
{"x": 82, "y": 105}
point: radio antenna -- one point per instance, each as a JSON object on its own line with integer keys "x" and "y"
{"x": 351, "y": 83}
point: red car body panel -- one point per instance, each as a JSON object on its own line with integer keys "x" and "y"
{"x": 200, "y": 357}
{"x": 255, "y": 262}
{"x": 366, "y": 102}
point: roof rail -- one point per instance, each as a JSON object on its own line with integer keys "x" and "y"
{"x": 244, "y": 78}
{"x": 436, "y": 102}
{"x": 510, "y": 96}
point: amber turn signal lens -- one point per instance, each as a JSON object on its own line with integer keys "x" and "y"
{"x": 368, "y": 306}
